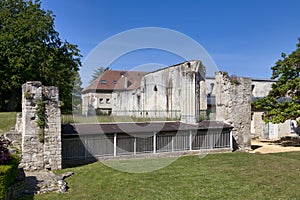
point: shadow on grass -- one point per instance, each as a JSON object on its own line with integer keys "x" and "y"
{"x": 30, "y": 188}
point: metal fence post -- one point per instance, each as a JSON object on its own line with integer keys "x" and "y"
{"x": 154, "y": 142}
{"x": 231, "y": 141}
{"x": 190, "y": 140}
{"x": 134, "y": 145}
{"x": 115, "y": 144}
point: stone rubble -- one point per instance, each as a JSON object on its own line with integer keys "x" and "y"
{"x": 37, "y": 182}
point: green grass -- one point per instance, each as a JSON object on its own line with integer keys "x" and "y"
{"x": 216, "y": 176}
{"x": 68, "y": 119}
{"x": 7, "y": 120}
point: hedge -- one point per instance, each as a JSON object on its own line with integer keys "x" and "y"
{"x": 8, "y": 173}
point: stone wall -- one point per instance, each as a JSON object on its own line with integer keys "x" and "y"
{"x": 41, "y": 147}
{"x": 173, "y": 92}
{"x": 261, "y": 88}
{"x": 233, "y": 106}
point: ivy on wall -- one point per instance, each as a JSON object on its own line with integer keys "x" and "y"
{"x": 40, "y": 111}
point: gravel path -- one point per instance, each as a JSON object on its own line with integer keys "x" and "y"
{"x": 271, "y": 147}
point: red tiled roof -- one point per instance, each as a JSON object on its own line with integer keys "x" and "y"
{"x": 115, "y": 80}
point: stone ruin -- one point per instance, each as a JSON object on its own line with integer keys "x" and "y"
{"x": 42, "y": 145}
{"x": 233, "y": 106}
{"x": 40, "y": 127}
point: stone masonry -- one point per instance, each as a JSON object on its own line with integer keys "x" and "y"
{"x": 178, "y": 91}
{"x": 233, "y": 106}
{"x": 41, "y": 149}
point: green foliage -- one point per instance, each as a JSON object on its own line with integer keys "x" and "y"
{"x": 30, "y": 50}
{"x": 27, "y": 95}
{"x": 8, "y": 173}
{"x": 97, "y": 72}
{"x": 234, "y": 80}
{"x": 204, "y": 115}
{"x": 41, "y": 122}
{"x": 76, "y": 95}
{"x": 283, "y": 101}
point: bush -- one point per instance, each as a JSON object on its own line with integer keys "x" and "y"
{"x": 8, "y": 173}
{"x": 4, "y": 152}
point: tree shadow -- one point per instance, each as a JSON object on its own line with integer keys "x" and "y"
{"x": 30, "y": 188}
{"x": 288, "y": 141}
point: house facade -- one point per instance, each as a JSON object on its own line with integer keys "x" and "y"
{"x": 97, "y": 97}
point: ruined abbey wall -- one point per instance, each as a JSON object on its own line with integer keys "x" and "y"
{"x": 233, "y": 106}
{"x": 178, "y": 91}
{"x": 41, "y": 144}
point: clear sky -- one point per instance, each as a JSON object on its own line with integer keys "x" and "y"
{"x": 243, "y": 37}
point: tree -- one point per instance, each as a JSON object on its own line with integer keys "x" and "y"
{"x": 97, "y": 72}
{"x": 76, "y": 95}
{"x": 30, "y": 50}
{"x": 283, "y": 101}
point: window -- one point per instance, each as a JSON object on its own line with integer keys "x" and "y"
{"x": 108, "y": 101}
{"x": 211, "y": 88}
{"x": 155, "y": 88}
{"x": 115, "y": 82}
{"x": 103, "y": 81}
{"x": 101, "y": 100}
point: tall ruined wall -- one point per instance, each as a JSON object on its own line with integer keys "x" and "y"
{"x": 233, "y": 105}
{"x": 128, "y": 103}
{"x": 173, "y": 92}
{"x": 41, "y": 147}
{"x": 177, "y": 88}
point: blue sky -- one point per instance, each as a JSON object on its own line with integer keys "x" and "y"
{"x": 243, "y": 37}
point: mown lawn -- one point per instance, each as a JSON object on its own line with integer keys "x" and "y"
{"x": 7, "y": 120}
{"x": 216, "y": 176}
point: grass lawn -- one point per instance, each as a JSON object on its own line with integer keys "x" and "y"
{"x": 216, "y": 176}
{"x": 7, "y": 120}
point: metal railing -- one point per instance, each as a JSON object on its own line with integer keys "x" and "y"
{"x": 124, "y": 144}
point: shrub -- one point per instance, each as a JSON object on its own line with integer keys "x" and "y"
{"x": 4, "y": 152}
{"x": 234, "y": 80}
{"x": 8, "y": 173}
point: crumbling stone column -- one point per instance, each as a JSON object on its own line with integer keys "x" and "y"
{"x": 233, "y": 106}
{"x": 41, "y": 145}
{"x": 193, "y": 91}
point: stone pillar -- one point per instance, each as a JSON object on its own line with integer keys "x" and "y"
{"x": 233, "y": 106}
{"x": 193, "y": 91}
{"x": 52, "y": 136}
{"x": 189, "y": 113}
{"x": 41, "y": 147}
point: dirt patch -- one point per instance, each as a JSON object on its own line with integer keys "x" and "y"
{"x": 286, "y": 144}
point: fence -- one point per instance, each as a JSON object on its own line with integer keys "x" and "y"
{"x": 118, "y": 144}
